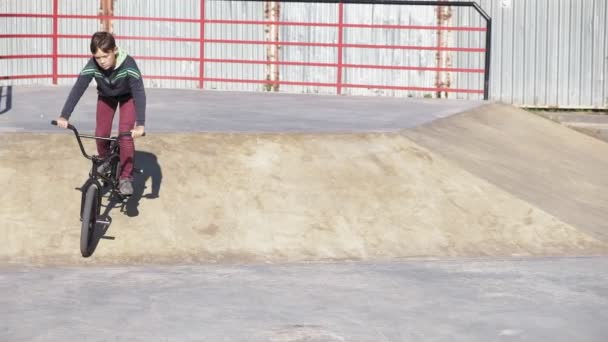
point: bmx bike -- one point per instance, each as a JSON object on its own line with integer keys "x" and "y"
{"x": 93, "y": 188}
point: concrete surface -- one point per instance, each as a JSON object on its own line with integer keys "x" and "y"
{"x": 594, "y": 124}
{"x": 440, "y": 300}
{"x": 256, "y": 182}
{"x": 557, "y": 169}
{"x": 179, "y": 110}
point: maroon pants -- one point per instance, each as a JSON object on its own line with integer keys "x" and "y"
{"x": 106, "y": 107}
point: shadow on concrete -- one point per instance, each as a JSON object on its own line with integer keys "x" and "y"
{"x": 150, "y": 170}
{"x": 6, "y": 99}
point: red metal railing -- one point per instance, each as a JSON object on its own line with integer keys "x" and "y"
{"x": 340, "y": 46}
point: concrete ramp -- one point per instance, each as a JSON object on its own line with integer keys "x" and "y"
{"x": 551, "y": 167}
{"x": 310, "y": 197}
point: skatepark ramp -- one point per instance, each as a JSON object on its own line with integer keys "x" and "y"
{"x": 491, "y": 181}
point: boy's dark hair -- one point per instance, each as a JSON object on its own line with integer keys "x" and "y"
{"x": 103, "y": 41}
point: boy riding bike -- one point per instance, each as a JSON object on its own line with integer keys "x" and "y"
{"x": 119, "y": 82}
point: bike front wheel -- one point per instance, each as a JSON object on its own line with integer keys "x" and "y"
{"x": 89, "y": 219}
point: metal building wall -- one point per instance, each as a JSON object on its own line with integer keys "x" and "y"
{"x": 390, "y": 15}
{"x": 469, "y": 17}
{"x": 183, "y": 9}
{"x": 220, "y": 9}
{"x": 297, "y": 12}
{"x": 358, "y": 14}
{"x": 77, "y": 46}
{"x": 28, "y": 45}
{"x": 315, "y": 13}
{"x": 236, "y": 10}
{"x": 548, "y": 53}
{"x": 190, "y": 9}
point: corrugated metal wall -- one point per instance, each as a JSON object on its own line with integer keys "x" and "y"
{"x": 76, "y": 46}
{"x": 317, "y": 13}
{"x": 468, "y": 17}
{"x": 235, "y": 10}
{"x": 358, "y": 14}
{"x": 183, "y": 9}
{"x": 26, "y": 46}
{"x": 390, "y": 15}
{"x": 546, "y": 53}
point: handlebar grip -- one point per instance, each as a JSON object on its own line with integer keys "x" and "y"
{"x": 128, "y": 134}
{"x": 54, "y": 123}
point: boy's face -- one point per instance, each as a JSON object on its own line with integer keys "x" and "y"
{"x": 106, "y": 60}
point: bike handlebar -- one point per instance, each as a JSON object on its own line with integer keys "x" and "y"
{"x": 71, "y": 127}
{"x": 78, "y": 136}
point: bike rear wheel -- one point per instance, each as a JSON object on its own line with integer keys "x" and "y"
{"x": 89, "y": 219}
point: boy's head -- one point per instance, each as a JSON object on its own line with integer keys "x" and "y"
{"x": 103, "y": 48}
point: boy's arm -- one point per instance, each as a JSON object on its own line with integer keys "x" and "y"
{"x": 136, "y": 84}
{"x": 85, "y": 77}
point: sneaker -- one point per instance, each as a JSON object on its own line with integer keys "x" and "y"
{"x": 125, "y": 186}
{"x": 103, "y": 168}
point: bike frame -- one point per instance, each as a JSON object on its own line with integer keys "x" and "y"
{"x": 96, "y": 161}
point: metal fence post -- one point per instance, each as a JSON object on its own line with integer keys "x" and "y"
{"x": 201, "y": 82}
{"x": 340, "y": 46}
{"x": 55, "y": 45}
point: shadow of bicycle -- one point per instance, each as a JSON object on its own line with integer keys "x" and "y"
{"x": 151, "y": 172}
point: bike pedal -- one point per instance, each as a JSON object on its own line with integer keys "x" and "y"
{"x": 104, "y": 222}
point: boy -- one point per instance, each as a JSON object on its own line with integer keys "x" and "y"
{"x": 119, "y": 81}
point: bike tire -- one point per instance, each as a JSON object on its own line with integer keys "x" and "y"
{"x": 89, "y": 219}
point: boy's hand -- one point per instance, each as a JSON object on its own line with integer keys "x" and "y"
{"x": 62, "y": 122}
{"x": 138, "y": 131}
